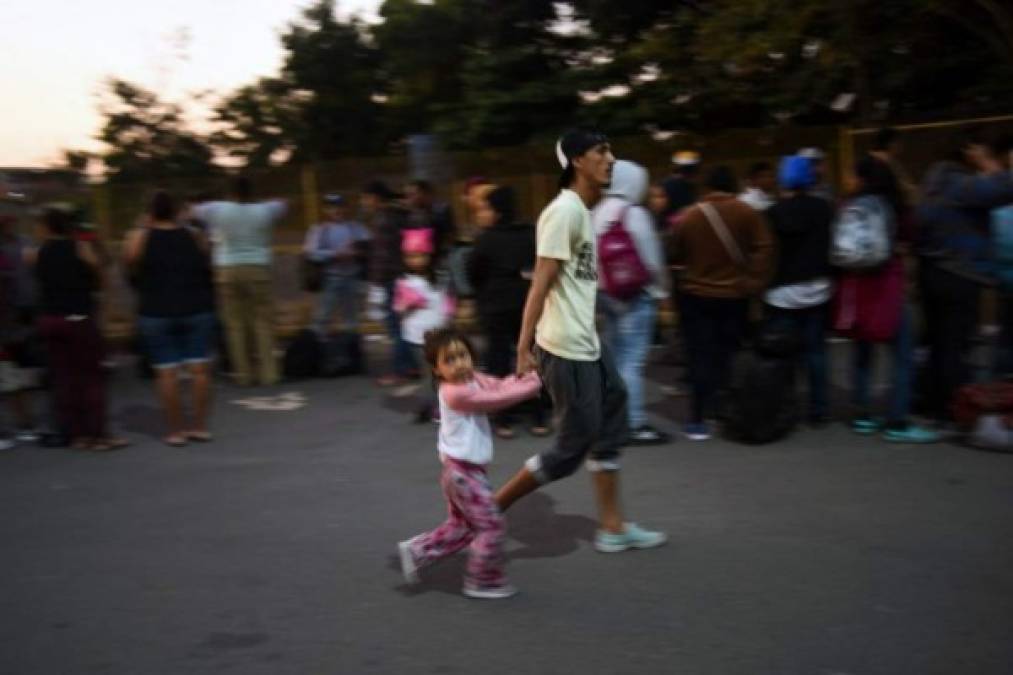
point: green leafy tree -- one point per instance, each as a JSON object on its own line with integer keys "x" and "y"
{"x": 259, "y": 123}
{"x": 331, "y": 70}
{"x": 147, "y": 139}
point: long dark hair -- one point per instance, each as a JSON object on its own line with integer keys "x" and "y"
{"x": 877, "y": 178}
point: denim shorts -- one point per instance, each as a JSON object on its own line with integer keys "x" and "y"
{"x": 170, "y": 341}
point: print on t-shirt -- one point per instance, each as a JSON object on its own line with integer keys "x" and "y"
{"x": 586, "y": 269}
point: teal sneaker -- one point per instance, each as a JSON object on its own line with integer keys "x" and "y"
{"x": 911, "y": 434}
{"x": 632, "y": 537}
{"x": 866, "y": 425}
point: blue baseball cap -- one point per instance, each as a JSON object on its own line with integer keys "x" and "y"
{"x": 796, "y": 173}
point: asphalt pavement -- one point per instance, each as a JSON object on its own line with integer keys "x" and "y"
{"x": 271, "y": 550}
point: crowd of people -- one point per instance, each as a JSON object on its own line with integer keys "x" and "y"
{"x": 696, "y": 241}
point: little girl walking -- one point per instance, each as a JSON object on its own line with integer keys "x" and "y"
{"x": 465, "y": 448}
{"x": 422, "y": 304}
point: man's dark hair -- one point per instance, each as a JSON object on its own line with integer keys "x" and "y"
{"x": 439, "y": 339}
{"x": 722, "y": 179}
{"x": 759, "y": 167}
{"x": 162, "y": 206}
{"x": 243, "y": 188}
{"x": 423, "y": 186}
{"x": 57, "y": 220}
{"x": 884, "y": 138}
{"x": 378, "y": 189}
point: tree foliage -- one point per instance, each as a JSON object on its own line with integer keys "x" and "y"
{"x": 147, "y": 139}
{"x": 483, "y": 73}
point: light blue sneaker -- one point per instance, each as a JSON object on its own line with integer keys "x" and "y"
{"x": 911, "y": 434}
{"x": 866, "y": 425}
{"x": 632, "y": 537}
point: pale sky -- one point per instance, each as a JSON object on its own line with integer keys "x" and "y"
{"x": 57, "y": 53}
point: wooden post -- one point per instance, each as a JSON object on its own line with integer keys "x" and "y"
{"x": 310, "y": 198}
{"x": 845, "y": 155}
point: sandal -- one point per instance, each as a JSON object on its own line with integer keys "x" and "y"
{"x": 539, "y": 431}
{"x": 199, "y": 436}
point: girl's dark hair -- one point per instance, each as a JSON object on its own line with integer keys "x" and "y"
{"x": 722, "y": 179}
{"x": 439, "y": 339}
{"x": 57, "y": 221}
{"x": 504, "y": 203}
{"x": 877, "y": 178}
{"x": 162, "y": 206}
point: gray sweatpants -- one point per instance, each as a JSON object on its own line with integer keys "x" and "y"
{"x": 589, "y": 400}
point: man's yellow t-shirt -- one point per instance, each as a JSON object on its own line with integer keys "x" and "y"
{"x": 566, "y": 328}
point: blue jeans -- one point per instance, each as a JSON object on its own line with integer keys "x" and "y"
{"x": 629, "y": 329}
{"x": 339, "y": 294}
{"x": 170, "y": 341}
{"x": 903, "y": 366}
{"x": 402, "y": 359}
{"x": 810, "y": 325}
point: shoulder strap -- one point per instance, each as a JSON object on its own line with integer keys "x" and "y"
{"x": 717, "y": 223}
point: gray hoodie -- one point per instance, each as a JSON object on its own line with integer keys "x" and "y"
{"x": 628, "y": 189}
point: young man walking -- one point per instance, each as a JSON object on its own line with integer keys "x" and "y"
{"x": 558, "y": 338}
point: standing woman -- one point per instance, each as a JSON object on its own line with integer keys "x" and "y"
{"x": 172, "y": 269}
{"x": 499, "y": 270}
{"x": 69, "y": 275}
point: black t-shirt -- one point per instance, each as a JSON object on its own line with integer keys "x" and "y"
{"x": 174, "y": 275}
{"x": 801, "y": 225}
{"x": 67, "y": 283}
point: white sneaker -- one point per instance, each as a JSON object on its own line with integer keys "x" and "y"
{"x": 409, "y": 569}
{"x": 6, "y": 444}
{"x": 27, "y": 436}
{"x": 489, "y": 592}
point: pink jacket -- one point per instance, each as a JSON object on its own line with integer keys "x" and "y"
{"x": 491, "y": 394}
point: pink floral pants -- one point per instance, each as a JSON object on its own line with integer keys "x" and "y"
{"x": 474, "y": 519}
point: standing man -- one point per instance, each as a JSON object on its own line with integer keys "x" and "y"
{"x": 680, "y": 187}
{"x": 558, "y": 338}
{"x": 761, "y": 187}
{"x": 338, "y": 244}
{"x": 241, "y": 231}
{"x": 818, "y": 158}
{"x": 385, "y": 221}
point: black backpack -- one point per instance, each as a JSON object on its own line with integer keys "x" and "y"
{"x": 303, "y": 356}
{"x": 342, "y": 355}
{"x": 761, "y": 404}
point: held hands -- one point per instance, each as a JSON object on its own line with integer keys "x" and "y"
{"x": 525, "y": 361}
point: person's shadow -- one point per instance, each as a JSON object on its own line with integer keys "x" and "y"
{"x": 533, "y": 522}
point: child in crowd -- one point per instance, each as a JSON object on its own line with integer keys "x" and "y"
{"x": 465, "y": 448}
{"x": 422, "y": 303}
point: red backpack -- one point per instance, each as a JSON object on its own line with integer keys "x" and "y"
{"x": 622, "y": 271}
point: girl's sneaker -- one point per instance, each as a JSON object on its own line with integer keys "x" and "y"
{"x": 488, "y": 592}
{"x": 912, "y": 433}
{"x": 697, "y": 431}
{"x": 409, "y": 569}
